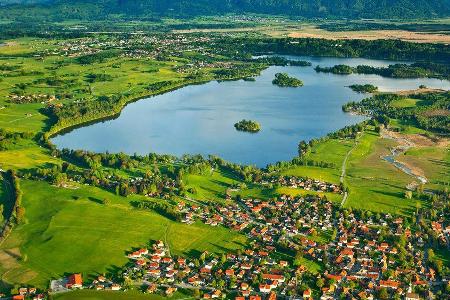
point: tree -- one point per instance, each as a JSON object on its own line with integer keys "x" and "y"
{"x": 303, "y": 147}
{"x": 196, "y": 293}
{"x": 408, "y": 195}
{"x": 383, "y": 293}
{"x": 320, "y": 282}
{"x": 298, "y": 258}
{"x": 20, "y": 214}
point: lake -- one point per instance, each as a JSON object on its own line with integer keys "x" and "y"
{"x": 199, "y": 119}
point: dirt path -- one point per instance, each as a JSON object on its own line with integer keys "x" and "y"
{"x": 344, "y": 170}
{"x": 165, "y": 240}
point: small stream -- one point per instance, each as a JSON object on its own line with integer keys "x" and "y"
{"x": 396, "y": 151}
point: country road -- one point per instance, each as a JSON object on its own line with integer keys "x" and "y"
{"x": 344, "y": 169}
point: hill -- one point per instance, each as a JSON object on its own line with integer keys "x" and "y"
{"x": 105, "y": 9}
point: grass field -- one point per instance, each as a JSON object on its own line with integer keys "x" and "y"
{"x": 312, "y": 266}
{"x": 407, "y": 102}
{"x": 433, "y": 161}
{"x": 300, "y": 192}
{"x": 444, "y": 255}
{"x": 209, "y": 188}
{"x": 406, "y": 127}
{"x": 375, "y": 184}
{"x": 101, "y": 295}
{"x": 26, "y": 157}
{"x": 331, "y": 151}
{"x": 68, "y": 231}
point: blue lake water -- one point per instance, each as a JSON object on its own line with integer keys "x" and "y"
{"x": 199, "y": 119}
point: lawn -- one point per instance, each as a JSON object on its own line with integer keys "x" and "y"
{"x": 443, "y": 255}
{"x": 27, "y": 157}
{"x": 331, "y": 151}
{"x": 68, "y": 231}
{"x": 337, "y": 198}
{"x": 312, "y": 266}
{"x": 321, "y": 237}
{"x": 209, "y": 187}
{"x": 406, "y": 127}
{"x": 326, "y": 174}
{"x": 406, "y": 102}
{"x": 101, "y": 295}
{"x": 375, "y": 184}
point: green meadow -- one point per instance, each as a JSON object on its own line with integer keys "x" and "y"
{"x": 433, "y": 161}
{"x": 331, "y": 151}
{"x": 211, "y": 187}
{"x": 103, "y": 295}
{"x": 375, "y": 184}
{"x": 68, "y": 231}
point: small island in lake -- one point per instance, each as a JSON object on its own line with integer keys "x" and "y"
{"x": 283, "y": 80}
{"x": 364, "y": 88}
{"x": 248, "y": 126}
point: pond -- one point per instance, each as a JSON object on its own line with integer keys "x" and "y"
{"x": 199, "y": 119}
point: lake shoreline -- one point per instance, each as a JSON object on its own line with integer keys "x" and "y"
{"x": 290, "y": 115}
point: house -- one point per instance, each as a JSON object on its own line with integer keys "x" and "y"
{"x": 151, "y": 288}
{"x": 23, "y": 291}
{"x": 216, "y": 294}
{"x": 18, "y": 297}
{"x": 74, "y": 281}
{"x": 274, "y": 277}
{"x": 389, "y": 284}
{"x": 170, "y": 291}
{"x": 307, "y": 294}
{"x": 265, "y": 288}
{"x": 412, "y": 296}
{"x": 272, "y": 296}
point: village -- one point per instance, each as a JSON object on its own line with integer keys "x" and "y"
{"x": 360, "y": 256}
{"x": 137, "y": 45}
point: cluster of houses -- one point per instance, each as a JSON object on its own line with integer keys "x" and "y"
{"x": 197, "y": 65}
{"x": 136, "y": 46}
{"x": 370, "y": 252}
{"x": 442, "y": 232}
{"x": 33, "y": 98}
{"x": 357, "y": 255}
{"x": 153, "y": 186}
{"x": 28, "y": 293}
{"x": 302, "y": 183}
{"x": 252, "y": 273}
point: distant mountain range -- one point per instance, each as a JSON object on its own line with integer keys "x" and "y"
{"x": 103, "y": 9}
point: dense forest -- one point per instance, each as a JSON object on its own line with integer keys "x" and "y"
{"x": 94, "y": 10}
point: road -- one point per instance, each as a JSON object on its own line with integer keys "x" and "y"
{"x": 344, "y": 169}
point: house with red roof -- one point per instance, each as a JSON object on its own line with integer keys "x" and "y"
{"x": 74, "y": 281}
